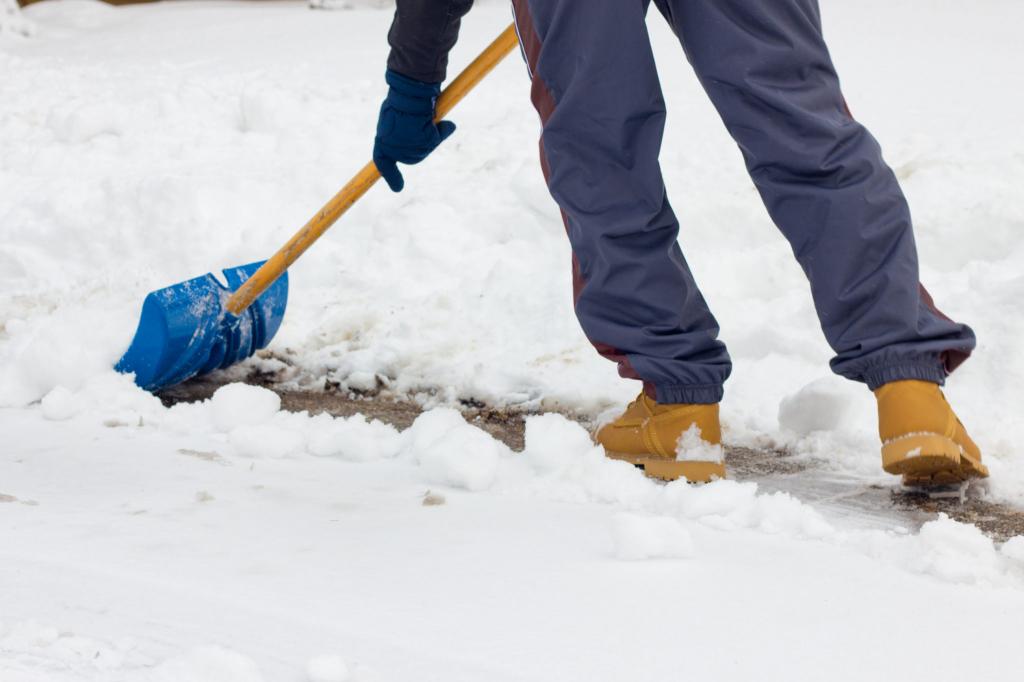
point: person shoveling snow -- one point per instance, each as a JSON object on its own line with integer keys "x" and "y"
{"x": 820, "y": 173}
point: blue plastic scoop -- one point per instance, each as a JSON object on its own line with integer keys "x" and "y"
{"x": 186, "y": 329}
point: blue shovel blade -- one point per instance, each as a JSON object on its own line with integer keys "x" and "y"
{"x": 185, "y": 329}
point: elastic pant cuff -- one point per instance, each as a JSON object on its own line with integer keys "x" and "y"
{"x": 706, "y": 394}
{"x": 878, "y": 376}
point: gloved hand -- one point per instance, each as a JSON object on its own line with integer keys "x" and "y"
{"x": 406, "y": 132}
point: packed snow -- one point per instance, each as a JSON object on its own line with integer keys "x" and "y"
{"x": 232, "y": 541}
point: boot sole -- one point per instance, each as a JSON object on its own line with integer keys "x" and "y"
{"x": 929, "y": 459}
{"x": 671, "y": 470}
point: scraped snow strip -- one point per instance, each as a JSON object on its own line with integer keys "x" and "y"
{"x": 560, "y": 462}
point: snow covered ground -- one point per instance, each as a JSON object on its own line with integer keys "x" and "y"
{"x": 12, "y": 21}
{"x": 143, "y": 145}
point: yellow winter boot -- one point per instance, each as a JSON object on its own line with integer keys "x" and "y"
{"x": 922, "y": 437}
{"x": 649, "y": 435}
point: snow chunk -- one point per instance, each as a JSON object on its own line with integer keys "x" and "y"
{"x": 206, "y": 664}
{"x": 451, "y": 452}
{"x": 692, "y": 448}
{"x": 238, "y": 405}
{"x": 554, "y": 442}
{"x": 650, "y": 537}
{"x": 822, "y": 405}
{"x": 956, "y": 552}
{"x": 354, "y": 438}
{"x": 1014, "y": 549}
{"x": 728, "y": 505}
{"x": 327, "y": 668}
{"x": 59, "y": 404}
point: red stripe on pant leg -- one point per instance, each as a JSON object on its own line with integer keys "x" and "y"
{"x": 544, "y": 102}
{"x": 951, "y": 359}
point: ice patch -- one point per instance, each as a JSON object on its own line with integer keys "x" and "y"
{"x": 650, "y": 537}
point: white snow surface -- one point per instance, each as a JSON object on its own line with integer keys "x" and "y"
{"x": 12, "y": 21}
{"x": 232, "y": 541}
{"x": 147, "y": 543}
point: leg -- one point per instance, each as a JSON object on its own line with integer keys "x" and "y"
{"x": 821, "y": 175}
{"x": 597, "y": 91}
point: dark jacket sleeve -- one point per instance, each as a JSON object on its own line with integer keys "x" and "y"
{"x": 422, "y": 34}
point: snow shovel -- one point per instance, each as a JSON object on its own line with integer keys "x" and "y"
{"x": 200, "y": 325}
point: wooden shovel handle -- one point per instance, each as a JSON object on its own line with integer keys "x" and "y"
{"x": 363, "y": 181}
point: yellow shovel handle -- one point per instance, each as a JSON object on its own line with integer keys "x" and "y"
{"x": 363, "y": 181}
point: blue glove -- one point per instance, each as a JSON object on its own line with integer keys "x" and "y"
{"x": 406, "y": 132}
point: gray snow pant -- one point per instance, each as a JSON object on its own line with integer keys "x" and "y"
{"x": 766, "y": 68}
